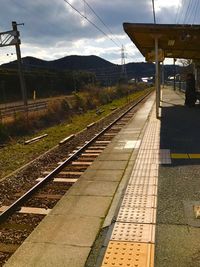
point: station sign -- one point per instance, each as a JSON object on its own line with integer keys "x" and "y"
{"x": 9, "y": 38}
{"x": 151, "y": 56}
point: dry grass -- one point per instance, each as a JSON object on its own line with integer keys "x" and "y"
{"x": 16, "y": 154}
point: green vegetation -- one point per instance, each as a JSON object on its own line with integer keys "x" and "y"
{"x": 16, "y": 154}
{"x": 59, "y": 110}
{"x": 45, "y": 82}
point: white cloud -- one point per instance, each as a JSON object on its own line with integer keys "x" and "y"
{"x": 160, "y": 4}
{"x": 53, "y": 29}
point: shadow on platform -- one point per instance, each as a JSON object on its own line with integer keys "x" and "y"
{"x": 180, "y": 131}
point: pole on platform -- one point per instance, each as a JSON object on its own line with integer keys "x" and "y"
{"x": 174, "y": 74}
{"x": 163, "y": 74}
{"x": 157, "y": 78}
{"x": 19, "y": 61}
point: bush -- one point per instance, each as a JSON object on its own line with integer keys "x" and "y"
{"x": 104, "y": 97}
{"x": 57, "y": 110}
{"x": 65, "y": 106}
{"x": 21, "y": 125}
{"x": 79, "y": 102}
{"x": 62, "y": 110}
{"x": 122, "y": 90}
{"x": 4, "y": 135}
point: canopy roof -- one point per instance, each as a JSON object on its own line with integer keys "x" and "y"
{"x": 176, "y": 41}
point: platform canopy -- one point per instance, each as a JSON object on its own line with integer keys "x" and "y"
{"x": 174, "y": 41}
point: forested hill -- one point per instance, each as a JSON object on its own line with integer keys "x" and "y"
{"x": 101, "y": 67}
{"x": 67, "y": 74}
{"x": 65, "y": 63}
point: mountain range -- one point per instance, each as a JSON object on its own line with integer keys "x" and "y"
{"x": 101, "y": 67}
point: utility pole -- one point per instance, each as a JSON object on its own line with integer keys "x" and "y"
{"x": 19, "y": 61}
{"x": 157, "y": 80}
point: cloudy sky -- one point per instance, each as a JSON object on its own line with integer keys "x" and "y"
{"x": 53, "y": 29}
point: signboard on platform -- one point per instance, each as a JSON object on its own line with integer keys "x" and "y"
{"x": 9, "y": 38}
{"x": 151, "y": 56}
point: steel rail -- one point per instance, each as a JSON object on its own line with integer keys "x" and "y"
{"x": 5, "y": 112}
{"x": 17, "y": 204}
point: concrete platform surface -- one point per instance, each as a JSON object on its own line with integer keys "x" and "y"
{"x": 177, "y": 241}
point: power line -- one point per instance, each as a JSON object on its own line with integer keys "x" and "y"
{"x": 86, "y": 3}
{"x": 183, "y": 2}
{"x": 192, "y": 11}
{"x": 187, "y": 11}
{"x": 94, "y": 25}
{"x": 100, "y": 19}
{"x": 197, "y": 8}
{"x": 178, "y": 10}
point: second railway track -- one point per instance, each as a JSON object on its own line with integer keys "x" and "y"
{"x": 26, "y": 205}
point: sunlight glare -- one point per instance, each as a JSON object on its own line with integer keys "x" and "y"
{"x": 160, "y": 4}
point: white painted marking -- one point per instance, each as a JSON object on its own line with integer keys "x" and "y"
{"x": 132, "y": 144}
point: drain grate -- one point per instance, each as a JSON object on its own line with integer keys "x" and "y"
{"x": 134, "y": 232}
{"x": 128, "y": 254}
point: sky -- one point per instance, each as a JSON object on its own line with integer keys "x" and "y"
{"x": 53, "y": 29}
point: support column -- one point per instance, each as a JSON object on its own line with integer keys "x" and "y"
{"x": 174, "y": 74}
{"x": 163, "y": 74}
{"x": 157, "y": 78}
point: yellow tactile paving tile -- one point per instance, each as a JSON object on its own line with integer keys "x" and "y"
{"x": 194, "y": 156}
{"x": 128, "y": 254}
{"x": 179, "y": 156}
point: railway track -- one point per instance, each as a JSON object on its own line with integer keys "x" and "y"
{"x": 22, "y": 211}
{"x": 13, "y": 110}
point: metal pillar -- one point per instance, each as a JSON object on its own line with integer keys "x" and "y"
{"x": 19, "y": 61}
{"x": 163, "y": 74}
{"x": 174, "y": 74}
{"x": 157, "y": 78}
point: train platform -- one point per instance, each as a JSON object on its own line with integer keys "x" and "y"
{"x": 136, "y": 205}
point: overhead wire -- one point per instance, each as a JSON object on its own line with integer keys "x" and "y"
{"x": 181, "y": 11}
{"x": 178, "y": 10}
{"x": 197, "y": 8}
{"x": 187, "y": 11}
{"x": 101, "y": 20}
{"x": 94, "y": 25}
{"x": 192, "y": 11}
